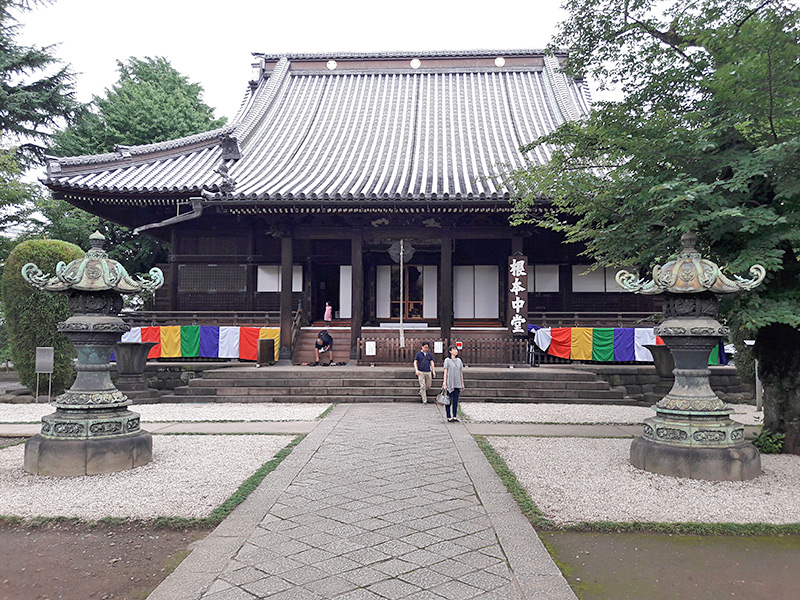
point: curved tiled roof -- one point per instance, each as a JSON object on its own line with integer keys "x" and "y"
{"x": 446, "y": 129}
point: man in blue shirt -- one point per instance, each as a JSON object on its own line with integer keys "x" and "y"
{"x": 424, "y": 370}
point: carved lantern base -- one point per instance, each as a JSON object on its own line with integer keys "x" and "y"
{"x": 697, "y": 445}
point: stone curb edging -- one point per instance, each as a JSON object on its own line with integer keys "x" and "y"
{"x": 199, "y": 570}
{"x": 534, "y": 570}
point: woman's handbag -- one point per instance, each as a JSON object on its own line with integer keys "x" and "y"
{"x": 443, "y": 398}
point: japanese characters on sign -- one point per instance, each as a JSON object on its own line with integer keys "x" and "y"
{"x": 518, "y": 295}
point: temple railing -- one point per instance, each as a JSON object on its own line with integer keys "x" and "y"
{"x": 485, "y": 351}
{"x": 592, "y": 319}
{"x": 200, "y": 317}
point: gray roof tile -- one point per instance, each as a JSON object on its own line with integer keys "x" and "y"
{"x": 392, "y": 134}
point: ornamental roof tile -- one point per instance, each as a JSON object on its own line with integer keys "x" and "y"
{"x": 444, "y": 128}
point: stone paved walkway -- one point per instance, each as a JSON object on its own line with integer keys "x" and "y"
{"x": 389, "y": 503}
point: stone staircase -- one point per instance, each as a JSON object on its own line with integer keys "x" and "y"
{"x": 304, "y": 347}
{"x": 393, "y": 384}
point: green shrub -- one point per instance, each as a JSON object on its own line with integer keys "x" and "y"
{"x": 32, "y": 315}
{"x": 768, "y": 442}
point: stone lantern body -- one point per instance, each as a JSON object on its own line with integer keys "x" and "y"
{"x": 91, "y": 431}
{"x": 692, "y": 434}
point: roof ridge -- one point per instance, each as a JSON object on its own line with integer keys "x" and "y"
{"x": 263, "y": 100}
{"x": 124, "y": 152}
{"x": 559, "y": 82}
{"x": 406, "y": 54}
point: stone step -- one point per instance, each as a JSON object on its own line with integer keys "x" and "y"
{"x": 373, "y": 399}
{"x": 331, "y": 373}
{"x": 378, "y": 383}
{"x": 410, "y": 392}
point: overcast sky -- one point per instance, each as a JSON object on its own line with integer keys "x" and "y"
{"x": 211, "y": 42}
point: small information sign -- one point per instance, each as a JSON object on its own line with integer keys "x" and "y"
{"x": 44, "y": 359}
{"x": 371, "y": 348}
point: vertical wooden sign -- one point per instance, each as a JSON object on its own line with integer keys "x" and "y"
{"x": 518, "y": 295}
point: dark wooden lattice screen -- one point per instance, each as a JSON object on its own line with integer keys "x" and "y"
{"x": 212, "y": 278}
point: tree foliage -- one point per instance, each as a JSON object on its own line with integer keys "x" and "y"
{"x": 151, "y": 102}
{"x": 706, "y": 138}
{"x": 32, "y": 314}
{"x": 36, "y": 90}
{"x": 16, "y": 198}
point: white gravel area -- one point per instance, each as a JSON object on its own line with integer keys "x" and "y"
{"x": 268, "y": 411}
{"x": 579, "y": 413}
{"x": 579, "y": 479}
{"x": 189, "y": 477}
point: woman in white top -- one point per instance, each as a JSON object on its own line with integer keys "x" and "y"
{"x": 453, "y": 382}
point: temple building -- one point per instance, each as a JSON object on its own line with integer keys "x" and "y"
{"x": 373, "y": 182}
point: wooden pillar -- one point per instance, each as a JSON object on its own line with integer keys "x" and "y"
{"x": 446, "y": 288}
{"x": 516, "y": 245}
{"x": 287, "y": 261}
{"x": 173, "y": 271}
{"x": 357, "y": 290}
{"x": 250, "y": 298}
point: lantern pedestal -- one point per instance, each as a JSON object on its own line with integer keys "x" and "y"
{"x": 92, "y": 430}
{"x": 692, "y": 434}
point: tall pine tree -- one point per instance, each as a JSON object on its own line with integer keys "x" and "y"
{"x": 36, "y": 90}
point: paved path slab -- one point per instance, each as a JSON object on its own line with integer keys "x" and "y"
{"x": 385, "y": 504}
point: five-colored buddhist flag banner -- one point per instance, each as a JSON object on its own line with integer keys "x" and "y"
{"x": 605, "y": 344}
{"x": 203, "y": 341}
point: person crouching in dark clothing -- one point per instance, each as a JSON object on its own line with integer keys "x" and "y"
{"x": 323, "y": 345}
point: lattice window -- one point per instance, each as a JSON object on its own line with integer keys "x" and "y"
{"x": 221, "y": 302}
{"x": 212, "y": 278}
{"x": 213, "y": 245}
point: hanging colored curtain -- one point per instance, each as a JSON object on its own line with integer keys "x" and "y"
{"x": 228, "y": 342}
{"x": 152, "y": 334}
{"x": 642, "y": 336}
{"x": 581, "y": 343}
{"x": 271, "y": 333}
{"x": 248, "y": 343}
{"x": 209, "y": 341}
{"x": 561, "y": 342}
{"x": 170, "y": 341}
{"x": 603, "y": 344}
{"x": 624, "y": 345}
{"x": 190, "y": 341}
{"x": 133, "y": 336}
{"x": 542, "y": 337}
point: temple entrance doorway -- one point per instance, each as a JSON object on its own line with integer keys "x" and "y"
{"x": 327, "y": 285}
{"x": 419, "y": 287}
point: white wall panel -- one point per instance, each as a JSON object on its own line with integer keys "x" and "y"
{"x": 383, "y": 291}
{"x": 345, "y": 292}
{"x": 268, "y": 278}
{"x": 430, "y": 291}
{"x": 463, "y": 292}
{"x": 486, "y": 292}
{"x": 593, "y": 281}
{"x": 545, "y": 278}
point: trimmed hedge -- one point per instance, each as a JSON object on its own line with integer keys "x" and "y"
{"x": 32, "y": 314}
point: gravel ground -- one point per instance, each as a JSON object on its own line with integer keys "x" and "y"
{"x": 580, "y": 479}
{"x": 189, "y": 477}
{"x": 579, "y": 413}
{"x": 32, "y": 413}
